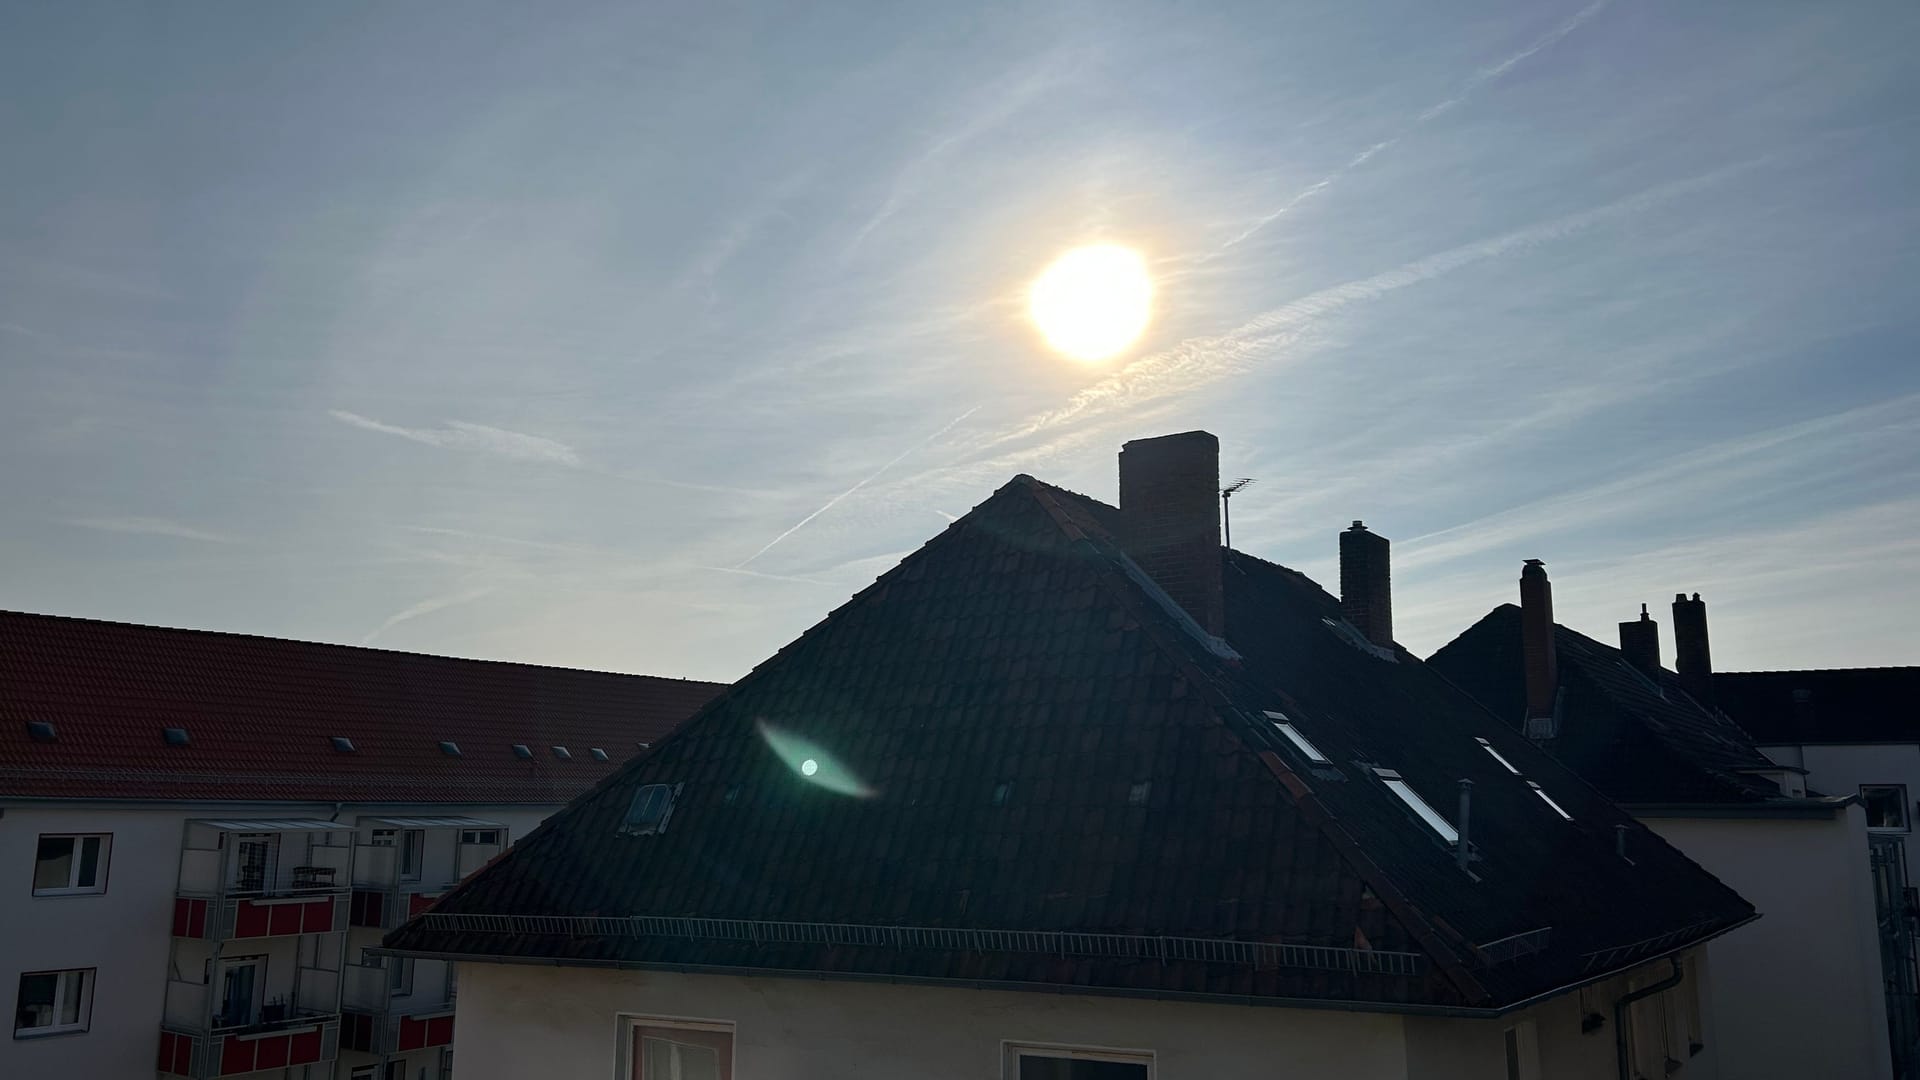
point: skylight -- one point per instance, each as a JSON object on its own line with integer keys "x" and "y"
{"x": 647, "y": 814}
{"x": 175, "y": 736}
{"x": 343, "y": 744}
{"x": 1488, "y": 747}
{"x": 449, "y": 748}
{"x": 563, "y": 753}
{"x": 521, "y": 750}
{"x": 1300, "y": 742}
{"x": 1418, "y": 805}
{"x": 41, "y": 731}
{"x": 1548, "y": 799}
{"x": 598, "y": 754}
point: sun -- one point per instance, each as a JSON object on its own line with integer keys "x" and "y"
{"x": 1093, "y": 302}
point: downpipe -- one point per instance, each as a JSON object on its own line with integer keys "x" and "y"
{"x": 1620, "y": 1048}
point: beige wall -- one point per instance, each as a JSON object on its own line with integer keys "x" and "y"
{"x": 1798, "y": 993}
{"x": 521, "y": 1020}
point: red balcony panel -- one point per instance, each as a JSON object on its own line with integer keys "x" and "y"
{"x": 251, "y": 920}
{"x": 413, "y": 1034}
{"x": 189, "y": 918}
{"x": 304, "y": 1048}
{"x": 270, "y": 1052}
{"x": 440, "y": 1031}
{"x": 283, "y": 919}
{"x": 236, "y": 1055}
{"x": 418, "y": 903}
{"x": 317, "y": 916}
{"x": 167, "y": 1052}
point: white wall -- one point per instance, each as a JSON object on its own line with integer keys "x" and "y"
{"x": 1840, "y": 770}
{"x": 519, "y": 1021}
{"x": 125, "y": 932}
{"x": 1798, "y": 993}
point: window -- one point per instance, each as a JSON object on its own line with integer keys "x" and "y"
{"x": 480, "y": 836}
{"x": 411, "y": 841}
{"x": 365, "y": 1072}
{"x": 1886, "y": 806}
{"x": 450, "y": 748}
{"x": 41, "y": 731}
{"x": 1075, "y": 1063}
{"x": 1307, "y": 749}
{"x": 677, "y": 1050}
{"x": 71, "y": 865}
{"x": 650, "y": 809}
{"x": 400, "y": 975}
{"x": 253, "y": 861}
{"x": 1647, "y": 1031}
{"x": 1548, "y": 799}
{"x": 1523, "y": 1055}
{"x": 343, "y": 744}
{"x": 562, "y": 753}
{"x": 243, "y": 986}
{"x": 521, "y": 751}
{"x": 598, "y": 754}
{"x": 175, "y": 736}
{"x": 1488, "y": 747}
{"x": 51, "y": 1002}
{"x": 1418, "y": 805}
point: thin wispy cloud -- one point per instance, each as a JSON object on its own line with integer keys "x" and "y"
{"x": 425, "y": 607}
{"x": 475, "y": 438}
{"x": 153, "y": 526}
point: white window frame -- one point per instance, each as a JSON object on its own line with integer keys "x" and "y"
{"x": 632, "y": 1026}
{"x": 87, "y": 977}
{"x": 475, "y": 835}
{"x": 412, "y": 842}
{"x": 227, "y": 964}
{"x": 1405, "y": 793}
{"x": 1284, "y": 726}
{"x": 1012, "y": 1052}
{"x": 1906, "y": 811}
{"x": 73, "y": 886}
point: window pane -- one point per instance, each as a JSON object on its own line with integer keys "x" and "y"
{"x": 1046, "y": 1068}
{"x": 89, "y": 863}
{"x": 664, "y": 1059}
{"x": 53, "y": 866}
{"x": 73, "y": 984}
{"x": 36, "y": 1000}
{"x": 1886, "y": 806}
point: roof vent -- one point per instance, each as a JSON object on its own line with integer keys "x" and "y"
{"x": 597, "y": 754}
{"x": 449, "y": 748}
{"x": 563, "y": 753}
{"x": 521, "y": 750}
{"x": 175, "y": 736}
{"x": 343, "y": 744}
{"x": 41, "y": 731}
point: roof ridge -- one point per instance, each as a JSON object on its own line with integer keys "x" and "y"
{"x": 1824, "y": 671}
{"x": 243, "y": 636}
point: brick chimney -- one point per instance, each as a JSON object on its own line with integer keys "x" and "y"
{"x": 1640, "y": 642}
{"x": 1691, "y": 657}
{"x": 1170, "y": 519}
{"x": 1366, "y": 584}
{"x": 1537, "y": 647}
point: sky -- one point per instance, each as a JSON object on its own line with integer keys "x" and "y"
{"x": 641, "y": 336}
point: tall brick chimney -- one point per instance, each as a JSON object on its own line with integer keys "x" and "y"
{"x": 1170, "y": 519}
{"x": 1691, "y": 657}
{"x": 1640, "y": 642}
{"x": 1366, "y": 584}
{"x": 1537, "y": 648}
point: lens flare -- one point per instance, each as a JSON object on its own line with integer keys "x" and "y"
{"x": 812, "y": 762}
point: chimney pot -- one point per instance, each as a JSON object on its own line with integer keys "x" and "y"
{"x": 1366, "y": 583}
{"x": 1691, "y": 656}
{"x": 1170, "y": 519}
{"x": 1538, "y": 650}
{"x": 1640, "y": 642}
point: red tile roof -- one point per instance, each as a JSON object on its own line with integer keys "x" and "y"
{"x": 261, "y": 714}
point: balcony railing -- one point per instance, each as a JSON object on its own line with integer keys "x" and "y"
{"x": 204, "y": 1056}
{"x": 314, "y": 997}
{"x": 218, "y": 919}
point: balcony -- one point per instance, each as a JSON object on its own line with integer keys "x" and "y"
{"x": 262, "y": 878}
{"x": 310, "y": 995}
{"x": 300, "y": 1041}
{"x": 403, "y": 864}
{"x": 379, "y": 1018}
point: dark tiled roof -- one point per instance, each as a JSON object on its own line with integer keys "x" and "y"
{"x": 1640, "y": 738}
{"x": 1843, "y": 705}
{"x": 1050, "y": 749}
{"x": 260, "y": 715}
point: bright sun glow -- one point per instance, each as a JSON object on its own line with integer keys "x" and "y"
{"x": 1093, "y": 302}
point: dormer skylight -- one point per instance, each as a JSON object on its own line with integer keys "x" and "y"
{"x": 597, "y": 754}
{"x": 1497, "y": 756}
{"x": 563, "y": 753}
{"x": 342, "y": 744}
{"x": 523, "y": 751}
{"x": 1418, "y": 805}
{"x": 175, "y": 736}
{"x": 1548, "y": 799}
{"x": 41, "y": 731}
{"x": 449, "y": 748}
{"x": 1300, "y": 742}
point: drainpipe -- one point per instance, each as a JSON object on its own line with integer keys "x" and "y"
{"x": 1620, "y": 1014}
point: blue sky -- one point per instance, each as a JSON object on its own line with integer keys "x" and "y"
{"x": 525, "y": 331}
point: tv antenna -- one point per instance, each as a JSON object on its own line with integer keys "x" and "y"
{"x": 1226, "y": 500}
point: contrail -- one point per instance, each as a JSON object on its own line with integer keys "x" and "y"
{"x": 831, "y": 503}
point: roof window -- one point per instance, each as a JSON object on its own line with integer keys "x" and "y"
{"x": 41, "y": 731}
{"x": 597, "y": 754}
{"x": 175, "y": 736}
{"x": 1497, "y": 756}
{"x": 563, "y": 753}
{"x": 343, "y": 744}
{"x": 647, "y": 814}
{"x": 522, "y": 751}
{"x": 449, "y": 748}
{"x": 1418, "y": 805}
{"x": 1300, "y": 742}
{"x": 1137, "y": 794}
{"x": 1548, "y": 799}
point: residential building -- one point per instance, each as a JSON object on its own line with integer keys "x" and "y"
{"x": 1072, "y": 792}
{"x": 1798, "y": 994}
{"x": 201, "y": 833}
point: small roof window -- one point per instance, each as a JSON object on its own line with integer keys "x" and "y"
{"x": 41, "y": 731}
{"x": 1548, "y": 799}
{"x": 1497, "y": 756}
{"x": 647, "y": 814}
{"x": 563, "y": 753}
{"x": 1300, "y": 742}
{"x": 449, "y": 748}
{"x": 523, "y": 751}
{"x": 1418, "y": 805}
{"x": 597, "y": 754}
{"x": 175, "y": 736}
{"x": 1137, "y": 794}
{"x": 343, "y": 744}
